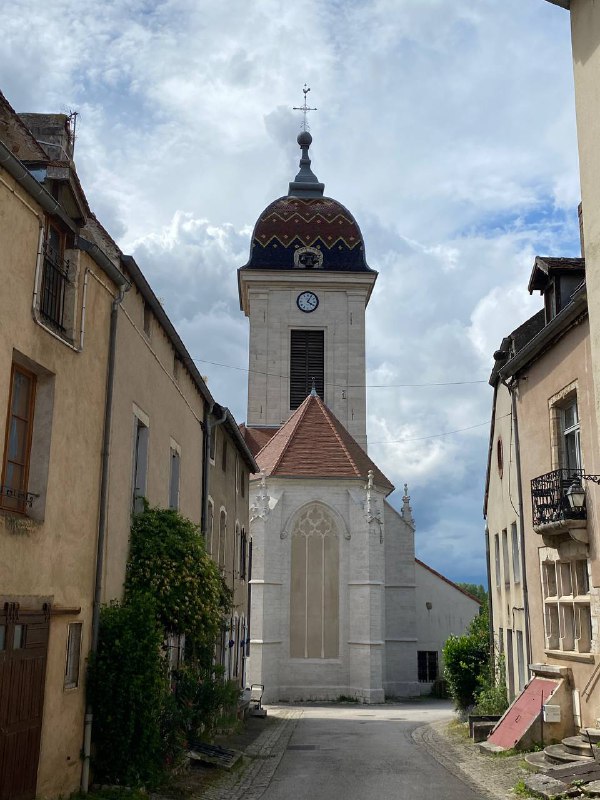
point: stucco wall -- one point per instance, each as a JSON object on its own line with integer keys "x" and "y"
{"x": 52, "y": 558}
{"x": 507, "y": 594}
{"x": 450, "y": 613}
{"x": 568, "y": 363}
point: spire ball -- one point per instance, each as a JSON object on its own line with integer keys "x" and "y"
{"x": 304, "y": 139}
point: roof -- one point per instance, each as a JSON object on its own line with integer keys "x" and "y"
{"x": 562, "y": 3}
{"x": 289, "y": 225}
{"x": 256, "y": 438}
{"x": 515, "y": 342}
{"x": 313, "y": 443}
{"x": 543, "y": 267}
{"x": 448, "y": 581}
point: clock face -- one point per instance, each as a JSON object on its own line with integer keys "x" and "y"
{"x": 307, "y": 301}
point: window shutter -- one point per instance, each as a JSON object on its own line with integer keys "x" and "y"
{"x": 307, "y": 361}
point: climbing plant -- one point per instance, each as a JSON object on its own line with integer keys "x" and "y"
{"x": 144, "y": 716}
{"x": 465, "y": 659}
{"x": 168, "y": 560}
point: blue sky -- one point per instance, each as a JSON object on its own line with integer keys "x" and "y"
{"x": 448, "y": 129}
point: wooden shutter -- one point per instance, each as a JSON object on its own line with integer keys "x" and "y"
{"x": 307, "y": 361}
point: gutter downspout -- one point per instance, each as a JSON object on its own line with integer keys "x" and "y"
{"x": 209, "y": 424}
{"x": 89, "y": 717}
{"x": 513, "y": 399}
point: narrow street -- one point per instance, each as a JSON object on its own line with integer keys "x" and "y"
{"x": 357, "y": 752}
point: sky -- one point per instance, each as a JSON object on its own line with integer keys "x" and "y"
{"x": 448, "y": 130}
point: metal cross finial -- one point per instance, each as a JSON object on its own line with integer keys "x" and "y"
{"x": 304, "y": 108}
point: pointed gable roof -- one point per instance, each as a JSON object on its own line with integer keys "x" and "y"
{"x": 313, "y": 443}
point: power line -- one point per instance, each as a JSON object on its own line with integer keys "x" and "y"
{"x": 342, "y": 386}
{"x": 438, "y": 435}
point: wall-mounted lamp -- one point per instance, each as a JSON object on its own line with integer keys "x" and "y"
{"x": 576, "y": 492}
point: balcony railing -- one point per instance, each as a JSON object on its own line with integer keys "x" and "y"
{"x": 13, "y": 499}
{"x": 55, "y": 279}
{"x": 549, "y": 498}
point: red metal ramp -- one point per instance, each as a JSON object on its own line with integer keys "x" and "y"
{"x": 523, "y": 713}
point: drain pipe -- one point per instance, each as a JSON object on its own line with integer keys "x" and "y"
{"x": 208, "y": 425}
{"x": 511, "y": 389}
{"x": 123, "y": 287}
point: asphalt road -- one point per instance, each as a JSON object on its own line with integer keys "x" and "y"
{"x": 362, "y": 752}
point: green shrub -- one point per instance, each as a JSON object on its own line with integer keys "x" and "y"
{"x": 465, "y": 658}
{"x": 200, "y": 695}
{"x": 492, "y": 696}
{"x": 128, "y": 688}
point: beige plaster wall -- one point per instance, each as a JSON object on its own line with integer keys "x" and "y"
{"x": 53, "y": 557}
{"x": 567, "y": 363}
{"x": 507, "y": 594}
{"x": 145, "y": 378}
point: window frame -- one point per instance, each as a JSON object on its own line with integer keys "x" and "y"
{"x": 174, "y": 475}
{"x": 564, "y": 609}
{"x": 71, "y": 657}
{"x": 21, "y": 507}
{"x": 140, "y": 422}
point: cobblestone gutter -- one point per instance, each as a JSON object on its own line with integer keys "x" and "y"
{"x": 492, "y": 776}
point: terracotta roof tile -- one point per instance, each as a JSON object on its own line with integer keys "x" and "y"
{"x": 313, "y": 443}
{"x": 256, "y": 438}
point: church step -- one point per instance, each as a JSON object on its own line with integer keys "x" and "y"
{"x": 537, "y": 762}
{"x": 558, "y": 754}
{"x": 594, "y": 734}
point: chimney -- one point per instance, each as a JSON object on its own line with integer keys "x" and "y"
{"x": 54, "y": 132}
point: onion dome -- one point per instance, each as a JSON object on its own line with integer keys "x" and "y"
{"x": 305, "y": 229}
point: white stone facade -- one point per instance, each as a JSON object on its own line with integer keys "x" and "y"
{"x": 377, "y": 639}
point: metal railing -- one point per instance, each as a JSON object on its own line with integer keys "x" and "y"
{"x": 549, "y": 497}
{"x": 55, "y": 279}
{"x": 15, "y": 499}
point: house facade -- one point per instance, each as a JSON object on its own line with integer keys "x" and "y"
{"x": 104, "y": 410}
{"x": 55, "y": 313}
{"x": 555, "y": 444}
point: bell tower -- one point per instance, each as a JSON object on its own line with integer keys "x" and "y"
{"x": 305, "y": 290}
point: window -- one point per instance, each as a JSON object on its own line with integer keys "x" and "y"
{"x": 73, "y": 655}
{"x": 55, "y": 279}
{"x": 516, "y": 557}
{"x": 307, "y": 363}
{"x": 175, "y": 462}
{"x": 237, "y": 475}
{"x": 427, "y": 665}
{"x": 210, "y": 523}
{"x": 314, "y": 591}
{"x": 222, "y": 537}
{"x": 175, "y": 647}
{"x": 224, "y": 456}
{"x": 505, "y": 561}
{"x": 243, "y": 482}
{"x": 17, "y": 450}
{"x": 567, "y": 618}
{"x": 497, "y": 559}
{"x": 571, "y": 446}
{"x": 212, "y": 444}
{"x": 521, "y": 660}
{"x": 243, "y": 552}
{"x": 176, "y": 367}
{"x": 140, "y": 463}
{"x": 500, "y": 457}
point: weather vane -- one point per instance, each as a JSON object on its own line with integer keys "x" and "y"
{"x": 305, "y": 109}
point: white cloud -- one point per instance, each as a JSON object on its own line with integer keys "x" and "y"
{"x": 440, "y": 126}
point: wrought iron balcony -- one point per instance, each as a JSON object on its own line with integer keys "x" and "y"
{"x": 552, "y": 512}
{"x": 12, "y": 499}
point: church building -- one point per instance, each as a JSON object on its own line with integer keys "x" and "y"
{"x": 333, "y": 583}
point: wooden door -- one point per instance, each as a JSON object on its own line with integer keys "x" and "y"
{"x": 23, "y": 650}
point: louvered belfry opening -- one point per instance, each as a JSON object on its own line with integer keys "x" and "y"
{"x": 307, "y": 361}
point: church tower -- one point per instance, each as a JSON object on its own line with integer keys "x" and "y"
{"x": 305, "y": 290}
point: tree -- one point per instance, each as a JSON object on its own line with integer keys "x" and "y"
{"x": 477, "y": 590}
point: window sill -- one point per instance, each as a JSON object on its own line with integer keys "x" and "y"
{"x": 569, "y": 655}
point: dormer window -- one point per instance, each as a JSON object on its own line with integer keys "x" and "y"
{"x": 556, "y": 279}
